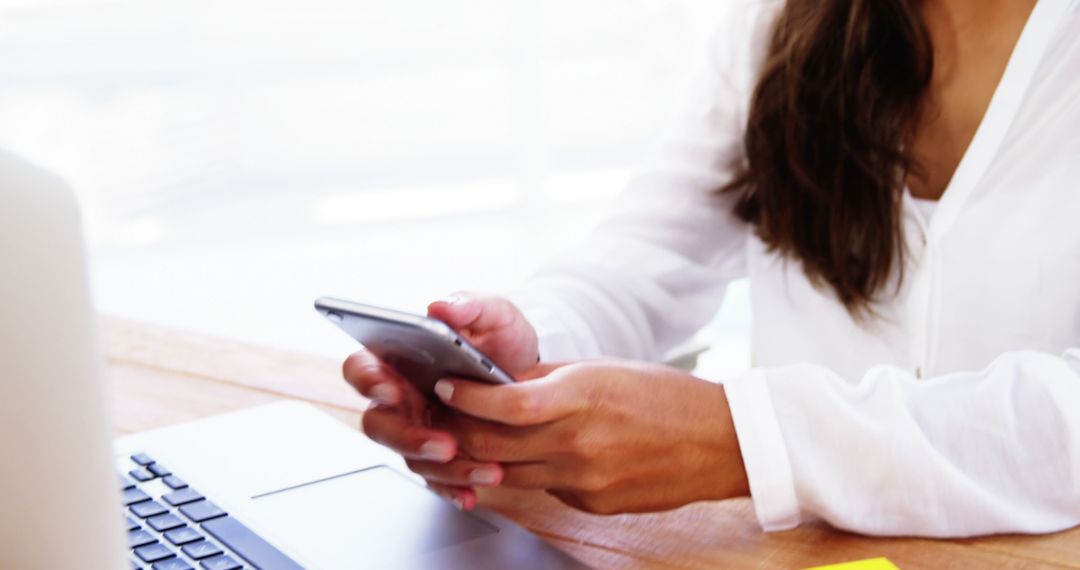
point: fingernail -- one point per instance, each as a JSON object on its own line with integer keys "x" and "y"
{"x": 457, "y": 299}
{"x": 484, "y": 476}
{"x": 437, "y": 451}
{"x": 384, "y": 393}
{"x": 458, "y": 503}
{"x": 445, "y": 390}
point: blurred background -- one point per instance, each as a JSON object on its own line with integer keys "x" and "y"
{"x": 236, "y": 158}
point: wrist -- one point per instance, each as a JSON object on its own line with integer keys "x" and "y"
{"x": 725, "y": 476}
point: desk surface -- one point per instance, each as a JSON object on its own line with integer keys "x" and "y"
{"x": 161, "y": 377}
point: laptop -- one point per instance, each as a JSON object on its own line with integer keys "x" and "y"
{"x": 280, "y": 486}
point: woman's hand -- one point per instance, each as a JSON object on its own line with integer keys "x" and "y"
{"x": 397, "y": 417}
{"x": 603, "y": 436}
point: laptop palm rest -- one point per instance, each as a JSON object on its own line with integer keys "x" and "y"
{"x": 371, "y": 518}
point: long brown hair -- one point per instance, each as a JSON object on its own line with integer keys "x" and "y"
{"x": 838, "y": 98}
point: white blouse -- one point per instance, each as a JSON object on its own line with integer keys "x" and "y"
{"x": 925, "y": 208}
{"x": 955, "y": 413}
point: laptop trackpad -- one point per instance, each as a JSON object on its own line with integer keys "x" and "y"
{"x": 364, "y": 519}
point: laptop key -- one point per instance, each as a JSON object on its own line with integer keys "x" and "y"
{"x": 220, "y": 563}
{"x": 181, "y": 536}
{"x": 158, "y": 470}
{"x": 132, "y": 496}
{"x": 162, "y": 523}
{"x": 125, "y": 482}
{"x": 141, "y": 474}
{"x": 137, "y": 538}
{"x": 201, "y": 549}
{"x": 147, "y": 509}
{"x": 142, "y": 459}
{"x": 172, "y": 564}
{"x": 153, "y": 552}
{"x": 182, "y": 497}
{"x": 174, "y": 482}
{"x": 248, "y": 545}
{"x": 131, "y": 523}
{"x": 200, "y": 511}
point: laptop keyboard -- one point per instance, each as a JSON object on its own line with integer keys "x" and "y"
{"x": 171, "y": 526}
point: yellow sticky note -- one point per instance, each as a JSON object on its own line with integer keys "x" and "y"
{"x": 869, "y": 564}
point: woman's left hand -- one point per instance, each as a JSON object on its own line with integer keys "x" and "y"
{"x": 602, "y": 436}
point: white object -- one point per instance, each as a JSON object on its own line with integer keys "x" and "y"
{"x": 315, "y": 489}
{"x": 953, "y": 414}
{"x": 925, "y": 208}
{"x": 330, "y": 498}
{"x": 56, "y": 478}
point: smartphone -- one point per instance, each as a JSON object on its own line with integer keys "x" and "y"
{"x": 421, "y": 349}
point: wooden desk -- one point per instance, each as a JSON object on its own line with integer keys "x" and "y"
{"x": 161, "y": 377}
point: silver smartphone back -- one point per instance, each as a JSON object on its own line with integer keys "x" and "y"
{"x": 421, "y": 349}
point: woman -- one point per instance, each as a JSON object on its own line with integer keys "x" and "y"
{"x": 898, "y": 180}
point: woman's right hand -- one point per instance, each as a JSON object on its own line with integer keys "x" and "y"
{"x": 398, "y": 415}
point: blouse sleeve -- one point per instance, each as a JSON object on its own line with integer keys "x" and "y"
{"x": 655, "y": 272}
{"x": 972, "y": 453}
